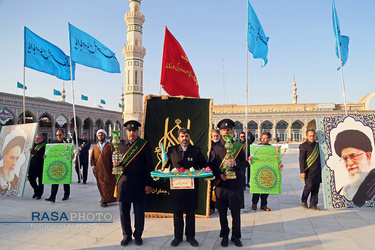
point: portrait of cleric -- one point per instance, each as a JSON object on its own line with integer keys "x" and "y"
{"x": 355, "y": 150}
{"x": 13, "y": 156}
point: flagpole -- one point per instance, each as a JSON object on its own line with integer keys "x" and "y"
{"x": 342, "y": 79}
{"x": 74, "y": 118}
{"x": 24, "y": 98}
{"x": 247, "y": 94}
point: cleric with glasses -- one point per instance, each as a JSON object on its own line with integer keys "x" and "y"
{"x": 355, "y": 150}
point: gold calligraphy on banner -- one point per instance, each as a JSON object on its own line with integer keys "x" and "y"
{"x": 169, "y": 139}
{"x": 178, "y": 69}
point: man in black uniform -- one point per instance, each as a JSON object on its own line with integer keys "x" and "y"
{"x": 185, "y": 201}
{"x": 55, "y": 187}
{"x": 134, "y": 182}
{"x": 229, "y": 192}
{"x": 83, "y": 154}
{"x": 36, "y": 166}
{"x": 246, "y": 171}
{"x": 310, "y": 169}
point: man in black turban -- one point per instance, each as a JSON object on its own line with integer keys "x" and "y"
{"x": 354, "y": 149}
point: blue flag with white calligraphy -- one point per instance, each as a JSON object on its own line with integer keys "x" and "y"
{"x": 56, "y": 92}
{"x": 102, "y": 101}
{"x": 86, "y": 50}
{"x": 43, "y": 56}
{"x": 341, "y": 40}
{"x": 256, "y": 38}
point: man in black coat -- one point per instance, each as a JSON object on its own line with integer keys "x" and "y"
{"x": 185, "y": 201}
{"x": 83, "y": 155}
{"x": 310, "y": 169}
{"x": 229, "y": 192}
{"x": 134, "y": 182}
{"x": 55, "y": 187}
{"x": 36, "y": 166}
{"x": 246, "y": 171}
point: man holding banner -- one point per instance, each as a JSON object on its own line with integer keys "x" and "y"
{"x": 134, "y": 182}
{"x": 55, "y": 187}
{"x": 310, "y": 169}
{"x": 186, "y": 156}
{"x": 229, "y": 192}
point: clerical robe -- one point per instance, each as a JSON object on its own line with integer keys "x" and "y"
{"x": 106, "y": 181}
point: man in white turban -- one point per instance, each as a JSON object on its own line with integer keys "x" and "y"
{"x": 101, "y": 163}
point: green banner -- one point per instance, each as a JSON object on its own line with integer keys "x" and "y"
{"x": 163, "y": 118}
{"x": 57, "y": 167}
{"x": 265, "y": 174}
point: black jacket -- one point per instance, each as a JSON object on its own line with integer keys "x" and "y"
{"x": 314, "y": 173}
{"x": 132, "y": 187}
{"x": 185, "y": 199}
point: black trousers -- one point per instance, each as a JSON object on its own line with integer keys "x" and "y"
{"x": 263, "y": 199}
{"x": 84, "y": 166}
{"x": 139, "y": 218}
{"x": 38, "y": 187}
{"x": 236, "y": 222}
{"x": 178, "y": 222}
{"x": 312, "y": 189}
{"x": 55, "y": 188}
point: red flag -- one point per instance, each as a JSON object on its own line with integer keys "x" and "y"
{"x": 177, "y": 75}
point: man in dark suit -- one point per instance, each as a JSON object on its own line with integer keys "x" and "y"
{"x": 246, "y": 171}
{"x": 185, "y": 201}
{"x": 229, "y": 192}
{"x": 36, "y": 166}
{"x": 310, "y": 169}
{"x": 55, "y": 187}
{"x": 134, "y": 182}
{"x": 83, "y": 155}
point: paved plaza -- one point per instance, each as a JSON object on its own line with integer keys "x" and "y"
{"x": 286, "y": 226}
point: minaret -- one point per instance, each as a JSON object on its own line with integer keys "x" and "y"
{"x": 63, "y": 93}
{"x": 133, "y": 52}
{"x": 294, "y": 96}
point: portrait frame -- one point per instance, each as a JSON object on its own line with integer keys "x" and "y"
{"x": 334, "y": 173}
{"x": 27, "y": 131}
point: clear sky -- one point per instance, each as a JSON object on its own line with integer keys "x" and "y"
{"x": 301, "y": 43}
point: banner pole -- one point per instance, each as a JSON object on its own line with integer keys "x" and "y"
{"x": 24, "y": 98}
{"x": 342, "y": 80}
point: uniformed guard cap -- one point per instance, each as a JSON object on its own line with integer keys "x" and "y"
{"x": 352, "y": 139}
{"x": 226, "y": 123}
{"x": 132, "y": 125}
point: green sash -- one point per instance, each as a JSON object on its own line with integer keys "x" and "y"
{"x": 84, "y": 144}
{"x": 237, "y": 146}
{"x": 312, "y": 158}
{"x": 133, "y": 151}
{"x": 38, "y": 147}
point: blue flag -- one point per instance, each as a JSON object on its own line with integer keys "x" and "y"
{"x": 102, "y": 101}
{"x": 43, "y": 56}
{"x": 20, "y": 85}
{"x": 342, "y": 41}
{"x": 119, "y": 105}
{"x": 88, "y": 51}
{"x": 84, "y": 98}
{"x": 256, "y": 38}
{"x": 56, "y": 92}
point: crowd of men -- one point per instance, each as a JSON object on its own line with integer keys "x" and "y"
{"x": 134, "y": 182}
